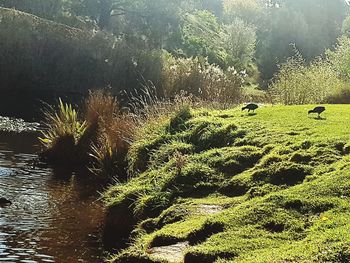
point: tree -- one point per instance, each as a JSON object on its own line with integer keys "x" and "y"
{"x": 346, "y": 26}
{"x": 201, "y": 36}
{"x": 249, "y": 11}
{"x": 340, "y": 57}
{"x": 240, "y": 41}
{"x": 312, "y": 25}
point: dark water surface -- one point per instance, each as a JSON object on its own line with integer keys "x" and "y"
{"x": 51, "y": 219}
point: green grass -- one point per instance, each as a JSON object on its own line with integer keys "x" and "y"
{"x": 270, "y": 187}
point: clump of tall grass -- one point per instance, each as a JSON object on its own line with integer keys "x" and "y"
{"x": 63, "y": 132}
{"x": 100, "y": 107}
{"x": 109, "y": 152}
{"x": 118, "y": 128}
{"x": 100, "y": 142}
{"x": 114, "y": 129}
{"x": 147, "y": 110}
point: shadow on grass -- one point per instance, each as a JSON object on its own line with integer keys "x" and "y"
{"x": 250, "y": 114}
{"x": 319, "y": 118}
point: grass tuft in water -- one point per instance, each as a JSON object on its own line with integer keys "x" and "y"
{"x": 63, "y": 131}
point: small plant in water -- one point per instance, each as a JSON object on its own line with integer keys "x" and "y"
{"x": 62, "y": 123}
{"x": 104, "y": 155}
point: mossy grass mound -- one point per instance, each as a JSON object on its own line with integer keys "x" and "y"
{"x": 270, "y": 187}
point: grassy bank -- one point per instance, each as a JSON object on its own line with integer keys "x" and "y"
{"x": 225, "y": 186}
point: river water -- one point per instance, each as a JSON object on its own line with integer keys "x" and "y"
{"x": 55, "y": 215}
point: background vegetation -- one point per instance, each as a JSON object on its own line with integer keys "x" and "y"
{"x": 75, "y": 46}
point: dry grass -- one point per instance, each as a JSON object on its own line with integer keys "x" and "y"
{"x": 147, "y": 109}
{"x": 112, "y": 145}
{"x": 114, "y": 133}
{"x": 100, "y": 107}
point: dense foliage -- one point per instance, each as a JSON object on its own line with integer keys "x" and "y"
{"x": 297, "y": 83}
{"x": 87, "y": 44}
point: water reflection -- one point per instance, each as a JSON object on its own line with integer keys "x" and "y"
{"x": 52, "y": 218}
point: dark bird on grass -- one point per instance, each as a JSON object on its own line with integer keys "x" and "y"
{"x": 4, "y": 202}
{"x": 318, "y": 110}
{"x": 250, "y": 106}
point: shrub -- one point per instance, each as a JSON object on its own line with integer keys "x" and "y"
{"x": 254, "y": 94}
{"x": 297, "y": 83}
{"x": 198, "y": 77}
{"x": 340, "y": 96}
